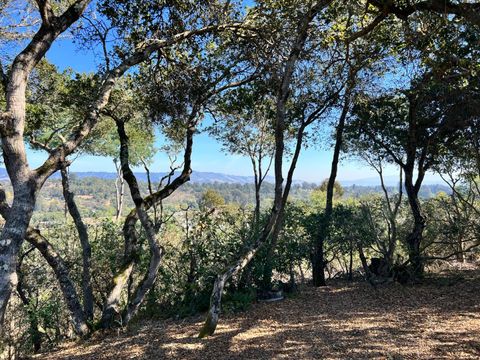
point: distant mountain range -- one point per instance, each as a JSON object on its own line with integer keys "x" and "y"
{"x": 430, "y": 179}
{"x": 212, "y": 177}
{"x": 197, "y": 177}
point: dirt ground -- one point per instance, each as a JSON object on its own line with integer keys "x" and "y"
{"x": 439, "y": 319}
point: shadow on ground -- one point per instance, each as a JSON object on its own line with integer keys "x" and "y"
{"x": 439, "y": 319}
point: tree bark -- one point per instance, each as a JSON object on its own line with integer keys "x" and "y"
{"x": 273, "y": 226}
{"x": 82, "y": 231}
{"x": 12, "y": 123}
{"x": 318, "y": 263}
{"x": 11, "y": 241}
{"x": 119, "y": 191}
{"x": 414, "y": 238}
{"x": 80, "y": 321}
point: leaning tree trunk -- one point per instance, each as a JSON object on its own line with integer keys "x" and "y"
{"x": 272, "y": 228}
{"x": 213, "y": 315}
{"x": 84, "y": 242}
{"x": 67, "y": 286}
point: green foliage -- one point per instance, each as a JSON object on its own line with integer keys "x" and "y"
{"x": 201, "y": 243}
{"x": 423, "y": 121}
{"x": 239, "y": 301}
{"x": 56, "y": 102}
{"x": 210, "y": 200}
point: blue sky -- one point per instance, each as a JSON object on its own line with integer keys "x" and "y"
{"x": 313, "y": 165}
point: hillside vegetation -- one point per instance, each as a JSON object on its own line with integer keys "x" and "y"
{"x": 159, "y": 262}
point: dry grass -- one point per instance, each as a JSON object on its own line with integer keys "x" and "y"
{"x": 439, "y": 319}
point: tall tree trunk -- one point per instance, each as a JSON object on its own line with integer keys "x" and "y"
{"x": 273, "y": 226}
{"x": 318, "y": 263}
{"x": 318, "y": 258}
{"x": 414, "y": 238}
{"x": 82, "y": 231}
{"x": 156, "y": 250}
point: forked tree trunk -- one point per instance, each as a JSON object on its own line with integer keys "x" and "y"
{"x": 111, "y": 306}
{"x": 273, "y": 226}
{"x": 156, "y": 250}
{"x": 121, "y": 279}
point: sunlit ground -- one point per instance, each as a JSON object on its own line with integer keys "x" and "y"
{"x": 439, "y": 319}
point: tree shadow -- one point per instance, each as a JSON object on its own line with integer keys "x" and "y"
{"x": 345, "y": 320}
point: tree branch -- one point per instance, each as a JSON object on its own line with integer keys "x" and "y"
{"x": 369, "y": 28}
{"x": 469, "y": 11}
{"x": 142, "y": 53}
{"x": 46, "y": 12}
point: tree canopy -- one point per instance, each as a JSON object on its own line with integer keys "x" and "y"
{"x": 393, "y": 83}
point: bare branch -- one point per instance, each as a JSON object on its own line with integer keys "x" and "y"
{"x": 369, "y": 28}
